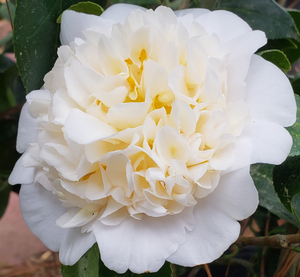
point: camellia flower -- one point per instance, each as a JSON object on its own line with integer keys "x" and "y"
{"x": 142, "y": 136}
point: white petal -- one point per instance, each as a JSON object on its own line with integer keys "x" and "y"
{"x": 238, "y": 53}
{"x": 84, "y": 128}
{"x": 141, "y": 245}
{"x": 269, "y": 93}
{"x": 40, "y": 209}
{"x": 62, "y": 105}
{"x": 226, "y": 25}
{"x": 271, "y": 143}
{"x": 74, "y": 244}
{"x": 127, "y": 115}
{"x": 73, "y": 24}
{"x": 119, "y": 12}
{"x": 171, "y": 145}
{"x": 213, "y": 232}
{"x": 27, "y": 130}
{"x": 236, "y": 194}
{"x": 21, "y": 174}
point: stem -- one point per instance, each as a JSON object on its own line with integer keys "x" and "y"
{"x": 8, "y": 9}
{"x": 207, "y": 270}
{"x": 276, "y": 241}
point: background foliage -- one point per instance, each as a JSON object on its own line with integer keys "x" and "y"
{"x": 35, "y": 40}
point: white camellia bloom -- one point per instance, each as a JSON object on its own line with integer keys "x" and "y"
{"x": 143, "y": 134}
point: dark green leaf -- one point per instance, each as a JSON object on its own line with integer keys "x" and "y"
{"x": 175, "y": 5}
{"x": 144, "y": 3}
{"x": 4, "y": 196}
{"x": 36, "y": 37}
{"x": 87, "y": 266}
{"x": 8, "y": 71}
{"x": 276, "y": 57}
{"x": 295, "y": 131}
{"x": 85, "y": 7}
{"x": 206, "y": 4}
{"x": 295, "y": 14}
{"x": 290, "y": 47}
{"x": 263, "y": 15}
{"x": 295, "y": 81}
{"x": 262, "y": 175}
{"x": 286, "y": 180}
{"x": 5, "y": 63}
{"x": 8, "y": 133}
{"x": 293, "y": 54}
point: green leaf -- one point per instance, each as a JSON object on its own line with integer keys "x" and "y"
{"x": 36, "y": 38}
{"x": 290, "y": 47}
{"x": 8, "y": 71}
{"x": 87, "y": 266}
{"x": 144, "y": 3}
{"x": 206, "y": 4}
{"x": 90, "y": 265}
{"x": 262, "y": 175}
{"x": 295, "y": 14}
{"x": 263, "y": 15}
{"x": 4, "y": 196}
{"x": 276, "y": 57}
{"x": 286, "y": 180}
{"x": 295, "y": 131}
{"x": 85, "y": 7}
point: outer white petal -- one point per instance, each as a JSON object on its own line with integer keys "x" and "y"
{"x": 142, "y": 245}
{"x": 269, "y": 93}
{"x": 119, "y": 12}
{"x": 21, "y": 174}
{"x": 216, "y": 227}
{"x": 73, "y": 24}
{"x": 194, "y": 12}
{"x": 40, "y": 209}
{"x": 224, "y": 24}
{"x": 271, "y": 143}
{"x": 236, "y": 194}
{"x": 74, "y": 244}
{"x": 27, "y": 130}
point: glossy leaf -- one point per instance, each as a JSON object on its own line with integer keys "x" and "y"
{"x": 206, "y": 4}
{"x": 4, "y": 196}
{"x": 87, "y": 266}
{"x": 7, "y": 73}
{"x": 36, "y": 37}
{"x": 276, "y": 57}
{"x": 263, "y": 15}
{"x": 144, "y": 3}
{"x": 262, "y": 175}
{"x": 286, "y": 180}
{"x": 295, "y": 81}
{"x": 85, "y": 7}
{"x": 295, "y": 132}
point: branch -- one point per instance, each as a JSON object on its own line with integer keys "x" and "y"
{"x": 276, "y": 241}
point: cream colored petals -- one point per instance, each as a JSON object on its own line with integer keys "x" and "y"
{"x": 140, "y": 120}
